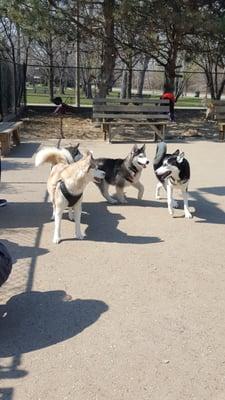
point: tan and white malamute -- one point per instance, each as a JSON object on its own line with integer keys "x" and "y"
{"x": 66, "y": 183}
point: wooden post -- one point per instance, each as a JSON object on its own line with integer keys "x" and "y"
{"x": 61, "y": 126}
{"x": 78, "y": 58}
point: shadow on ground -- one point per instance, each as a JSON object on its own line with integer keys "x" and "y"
{"x": 208, "y": 211}
{"x": 24, "y": 150}
{"x": 35, "y": 320}
{"x": 103, "y": 225}
{"x": 20, "y": 252}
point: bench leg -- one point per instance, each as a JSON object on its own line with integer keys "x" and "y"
{"x": 110, "y": 133}
{"x": 163, "y": 132}
{"x": 159, "y": 133}
{"x": 5, "y": 144}
{"x": 221, "y": 133}
{"x": 105, "y": 130}
{"x": 16, "y": 137}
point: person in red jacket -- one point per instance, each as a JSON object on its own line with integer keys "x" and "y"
{"x": 168, "y": 95}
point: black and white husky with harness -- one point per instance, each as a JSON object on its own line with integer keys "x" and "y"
{"x": 173, "y": 172}
{"x": 122, "y": 173}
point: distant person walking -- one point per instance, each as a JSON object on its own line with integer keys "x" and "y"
{"x": 168, "y": 95}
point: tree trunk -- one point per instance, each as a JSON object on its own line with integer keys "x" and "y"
{"x": 62, "y": 82}
{"x": 170, "y": 76}
{"x": 141, "y": 77}
{"x": 210, "y": 84}
{"x": 51, "y": 69}
{"x": 130, "y": 75}
{"x": 105, "y": 78}
{"x": 123, "y": 89}
{"x": 170, "y": 69}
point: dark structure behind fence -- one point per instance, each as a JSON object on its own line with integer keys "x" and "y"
{"x": 12, "y": 88}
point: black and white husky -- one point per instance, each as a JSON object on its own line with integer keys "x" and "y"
{"x": 122, "y": 173}
{"x": 70, "y": 154}
{"x": 172, "y": 171}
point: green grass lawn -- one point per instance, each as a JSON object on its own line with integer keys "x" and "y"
{"x": 189, "y": 102}
{"x": 69, "y": 98}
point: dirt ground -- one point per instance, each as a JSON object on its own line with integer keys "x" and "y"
{"x": 188, "y": 124}
{"x": 135, "y": 311}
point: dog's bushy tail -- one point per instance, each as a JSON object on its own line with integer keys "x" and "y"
{"x": 53, "y": 156}
{"x": 160, "y": 153}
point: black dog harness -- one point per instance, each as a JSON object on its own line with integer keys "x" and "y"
{"x": 134, "y": 169}
{"x": 71, "y": 198}
{"x": 130, "y": 178}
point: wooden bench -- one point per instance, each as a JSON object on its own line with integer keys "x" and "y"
{"x": 219, "y": 113}
{"x": 9, "y": 131}
{"x": 133, "y": 111}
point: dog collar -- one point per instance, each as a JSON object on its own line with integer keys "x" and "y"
{"x": 71, "y": 198}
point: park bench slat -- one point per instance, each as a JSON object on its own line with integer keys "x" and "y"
{"x": 132, "y": 111}
{"x": 9, "y": 126}
{"x": 133, "y": 116}
{"x": 132, "y": 100}
{"x": 8, "y": 131}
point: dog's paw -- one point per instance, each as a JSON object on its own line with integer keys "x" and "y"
{"x": 56, "y": 240}
{"x": 188, "y": 215}
{"x": 111, "y": 200}
{"x": 175, "y": 204}
{"x": 122, "y": 201}
{"x": 140, "y": 195}
{"x": 79, "y": 236}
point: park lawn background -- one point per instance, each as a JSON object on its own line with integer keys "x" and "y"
{"x": 69, "y": 98}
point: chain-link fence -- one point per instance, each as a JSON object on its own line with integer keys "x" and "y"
{"x": 148, "y": 83}
{"x": 14, "y": 92}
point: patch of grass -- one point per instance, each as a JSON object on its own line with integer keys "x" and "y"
{"x": 69, "y": 98}
{"x": 189, "y": 102}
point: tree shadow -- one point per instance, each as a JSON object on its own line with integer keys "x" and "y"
{"x": 207, "y": 210}
{"x": 35, "y": 320}
{"x": 20, "y": 252}
{"x": 217, "y": 190}
{"x": 8, "y": 165}
{"x": 147, "y": 203}
{"x": 6, "y": 393}
{"x": 24, "y": 150}
{"x": 103, "y": 226}
{"x": 25, "y": 215}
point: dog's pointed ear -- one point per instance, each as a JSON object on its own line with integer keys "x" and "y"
{"x": 176, "y": 152}
{"x": 89, "y": 153}
{"x": 87, "y": 157}
{"x": 180, "y": 157}
{"x": 134, "y": 149}
{"x": 143, "y": 148}
{"x": 77, "y": 145}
